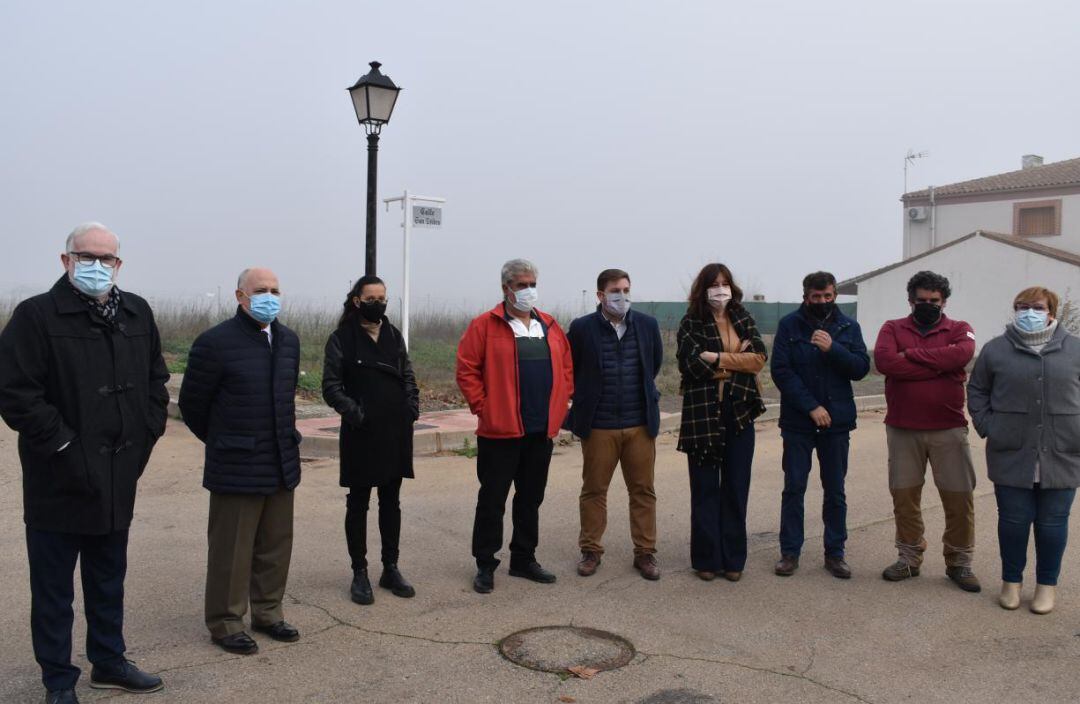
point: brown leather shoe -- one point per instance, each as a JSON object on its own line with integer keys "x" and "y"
{"x": 787, "y": 565}
{"x": 647, "y": 566}
{"x": 837, "y": 567}
{"x": 706, "y": 575}
{"x": 588, "y": 563}
{"x": 733, "y": 576}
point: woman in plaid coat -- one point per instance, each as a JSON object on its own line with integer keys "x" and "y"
{"x": 720, "y": 353}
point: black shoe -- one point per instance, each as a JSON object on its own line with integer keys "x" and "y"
{"x": 61, "y": 696}
{"x": 837, "y": 567}
{"x": 360, "y": 591}
{"x": 391, "y": 579}
{"x": 125, "y": 676}
{"x": 281, "y": 631}
{"x": 533, "y": 571}
{"x": 240, "y": 643}
{"x": 484, "y": 581}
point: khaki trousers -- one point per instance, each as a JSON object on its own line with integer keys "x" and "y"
{"x": 635, "y": 451}
{"x": 949, "y": 455}
{"x": 250, "y": 546}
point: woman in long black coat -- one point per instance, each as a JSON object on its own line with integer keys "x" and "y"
{"x": 369, "y": 380}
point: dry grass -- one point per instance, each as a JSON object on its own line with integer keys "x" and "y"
{"x": 434, "y": 333}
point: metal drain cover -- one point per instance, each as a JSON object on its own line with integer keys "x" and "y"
{"x": 558, "y": 648}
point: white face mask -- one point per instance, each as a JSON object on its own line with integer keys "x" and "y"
{"x": 617, "y": 305}
{"x": 719, "y": 296}
{"x": 525, "y": 299}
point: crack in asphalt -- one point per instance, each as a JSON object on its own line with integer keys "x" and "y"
{"x": 374, "y": 631}
{"x": 767, "y": 670}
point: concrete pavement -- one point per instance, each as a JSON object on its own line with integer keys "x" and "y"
{"x": 808, "y": 638}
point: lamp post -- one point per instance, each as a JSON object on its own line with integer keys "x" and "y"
{"x": 373, "y": 98}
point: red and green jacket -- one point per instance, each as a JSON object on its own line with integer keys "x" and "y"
{"x": 487, "y": 374}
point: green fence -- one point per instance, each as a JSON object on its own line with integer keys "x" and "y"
{"x": 766, "y": 314}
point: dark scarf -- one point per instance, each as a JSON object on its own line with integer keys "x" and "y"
{"x": 106, "y": 310}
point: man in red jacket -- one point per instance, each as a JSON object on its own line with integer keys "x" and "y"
{"x": 923, "y": 357}
{"x": 514, "y": 369}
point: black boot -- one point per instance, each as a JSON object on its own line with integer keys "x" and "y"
{"x": 391, "y": 579}
{"x": 360, "y": 591}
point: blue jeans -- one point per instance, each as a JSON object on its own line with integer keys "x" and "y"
{"x": 1048, "y": 509}
{"x": 832, "y": 453}
{"x": 103, "y": 562}
{"x": 719, "y": 491}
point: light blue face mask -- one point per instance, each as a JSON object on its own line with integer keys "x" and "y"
{"x": 265, "y": 307}
{"x": 94, "y": 279}
{"x": 1032, "y": 320}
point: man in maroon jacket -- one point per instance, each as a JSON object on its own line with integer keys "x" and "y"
{"x": 923, "y": 357}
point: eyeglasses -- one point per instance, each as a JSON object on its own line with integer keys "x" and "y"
{"x": 109, "y": 261}
{"x": 1031, "y": 306}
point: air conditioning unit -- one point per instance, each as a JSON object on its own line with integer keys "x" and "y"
{"x": 918, "y": 214}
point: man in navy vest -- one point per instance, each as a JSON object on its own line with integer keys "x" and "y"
{"x": 818, "y": 351}
{"x": 616, "y": 413}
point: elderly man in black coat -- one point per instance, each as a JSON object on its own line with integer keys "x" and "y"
{"x": 82, "y": 381}
{"x": 238, "y": 397}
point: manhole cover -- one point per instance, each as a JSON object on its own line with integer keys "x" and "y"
{"x": 558, "y": 648}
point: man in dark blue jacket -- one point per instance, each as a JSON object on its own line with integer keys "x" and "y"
{"x": 818, "y": 351}
{"x": 238, "y": 397}
{"x": 616, "y": 412}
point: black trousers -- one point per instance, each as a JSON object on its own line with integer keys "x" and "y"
{"x": 356, "y": 515}
{"x": 521, "y": 462}
{"x": 103, "y": 563}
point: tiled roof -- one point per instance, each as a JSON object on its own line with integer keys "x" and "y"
{"x": 1055, "y": 175}
{"x": 850, "y": 286}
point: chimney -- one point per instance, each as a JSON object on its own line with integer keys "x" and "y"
{"x": 1030, "y": 161}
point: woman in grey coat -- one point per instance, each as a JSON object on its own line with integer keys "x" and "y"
{"x": 1024, "y": 397}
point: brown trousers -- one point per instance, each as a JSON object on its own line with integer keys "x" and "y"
{"x": 635, "y": 450}
{"x": 949, "y": 455}
{"x": 250, "y": 546}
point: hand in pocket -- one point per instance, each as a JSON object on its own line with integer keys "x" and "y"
{"x": 68, "y": 469}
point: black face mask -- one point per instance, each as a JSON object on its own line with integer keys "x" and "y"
{"x": 926, "y": 313}
{"x": 821, "y": 311}
{"x": 372, "y": 311}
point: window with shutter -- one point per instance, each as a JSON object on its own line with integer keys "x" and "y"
{"x": 1037, "y": 218}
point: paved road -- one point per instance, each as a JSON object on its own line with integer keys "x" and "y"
{"x": 809, "y": 638}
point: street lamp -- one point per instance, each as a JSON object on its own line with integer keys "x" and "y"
{"x": 373, "y": 98}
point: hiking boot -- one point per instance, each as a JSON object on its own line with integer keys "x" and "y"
{"x": 588, "y": 563}
{"x": 787, "y": 565}
{"x": 899, "y": 571}
{"x": 964, "y": 578}
{"x": 837, "y": 567}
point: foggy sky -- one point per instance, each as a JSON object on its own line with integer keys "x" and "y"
{"x": 655, "y": 137}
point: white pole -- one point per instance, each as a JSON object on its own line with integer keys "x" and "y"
{"x": 406, "y": 206}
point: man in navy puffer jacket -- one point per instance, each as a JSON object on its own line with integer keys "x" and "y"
{"x": 617, "y": 354}
{"x": 238, "y": 397}
{"x": 818, "y": 351}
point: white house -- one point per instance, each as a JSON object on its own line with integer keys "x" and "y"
{"x": 991, "y": 237}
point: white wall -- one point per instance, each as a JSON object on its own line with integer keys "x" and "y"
{"x": 984, "y": 275}
{"x": 954, "y": 220}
